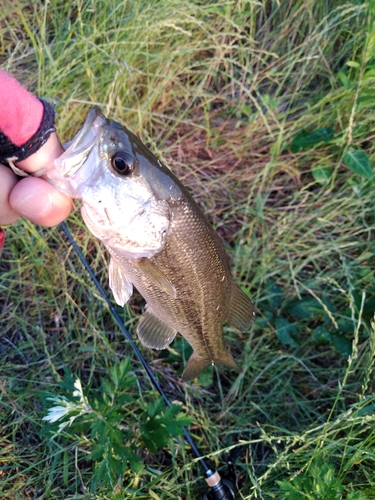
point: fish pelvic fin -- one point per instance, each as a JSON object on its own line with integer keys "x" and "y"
{"x": 153, "y": 332}
{"x": 196, "y": 365}
{"x": 119, "y": 284}
{"x": 241, "y": 309}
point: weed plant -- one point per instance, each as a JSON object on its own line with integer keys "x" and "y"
{"x": 265, "y": 111}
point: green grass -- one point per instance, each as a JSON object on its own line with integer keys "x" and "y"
{"x": 219, "y": 91}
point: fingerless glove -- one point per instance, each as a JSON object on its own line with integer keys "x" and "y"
{"x": 11, "y": 152}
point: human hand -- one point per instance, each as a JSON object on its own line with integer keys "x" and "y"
{"x": 31, "y": 197}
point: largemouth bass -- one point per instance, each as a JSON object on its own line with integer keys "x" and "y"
{"x": 158, "y": 239}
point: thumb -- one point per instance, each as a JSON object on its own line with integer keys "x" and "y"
{"x": 39, "y": 202}
{"x": 32, "y": 197}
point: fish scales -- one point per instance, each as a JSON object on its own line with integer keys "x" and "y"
{"x": 158, "y": 239}
{"x": 202, "y": 284}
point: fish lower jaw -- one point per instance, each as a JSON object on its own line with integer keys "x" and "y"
{"x": 131, "y": 253}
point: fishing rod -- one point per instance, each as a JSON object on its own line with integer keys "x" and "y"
{"x": 218, "y": 488}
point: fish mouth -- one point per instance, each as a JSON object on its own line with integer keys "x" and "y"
{"x": 93, "y": 114}
{"x": 78, "y": 149}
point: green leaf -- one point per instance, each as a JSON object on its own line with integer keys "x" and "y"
{"x": 366, "y": 410}
{"x": 205, "y": 378}
{"x": 117, "y": 466}
{"x": 369, "y": 73}
{"x": 118, "y": 374}
{"x": 155, "y": 408}
{"x": 357, "y": 495}
{"x": 316, "y": 483}
{"x": 97, "y": 452}
{"x": 175, "y": 423}
{"x": 154, "y": 435}
{"x": 321, "y": 336}
{"x": 306, "y": 308}
{"x": 344, "y": 79}
{"x": 103, "y": 472}
{"x": 357, "y": 160}
{"x": 274, "y": 294}
{"x": 162, "y": 424}
{"x": 66, "y": 469}
{"x": 285, "y": 332}
{"x": 321, "y": 173}
{"x": 107, "y": 388}
{"x": 124, "y": 399}
{"x": 135, "y": 463}
{"x": 304, "y": 140}
{"x": 353, "y": 64}
{"x": 341, "y": 344}
{"x": 366, "y": 100}
{"x": 271, "y": 103}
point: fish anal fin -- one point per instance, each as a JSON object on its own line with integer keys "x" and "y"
{"x": 153, "y": 332}
{"x": 197, "y": 365}
{"x": 119, "y": 284}
{"x": 241, "y": 309}
{"x": 157, "y": 277}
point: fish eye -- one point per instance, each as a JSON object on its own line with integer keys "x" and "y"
{"x": 123, "y": 162}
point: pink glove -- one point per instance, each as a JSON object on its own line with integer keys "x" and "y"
{"x": 28, "y": 139}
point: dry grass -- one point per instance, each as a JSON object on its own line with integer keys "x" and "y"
{"x": 218, "y": 90}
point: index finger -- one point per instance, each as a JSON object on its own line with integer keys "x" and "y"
{"x": 8, "y": 180}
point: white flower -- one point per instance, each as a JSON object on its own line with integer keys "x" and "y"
{"x": 57, "y": 412}
{"x": 65, "y": 407}
{"x": 79, "y": 392}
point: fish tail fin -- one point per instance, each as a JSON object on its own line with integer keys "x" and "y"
{"x": 227, "y": 360}
{"x": 196, "y": 365}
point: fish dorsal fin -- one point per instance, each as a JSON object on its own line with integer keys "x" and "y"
{"x": 119, "y": 284}
{"x": 157, "y": 277}
{"x": 154, "y": 332}
{"x": 241, "y": 309}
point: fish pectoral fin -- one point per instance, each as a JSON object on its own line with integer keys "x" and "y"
{"x": 119, "y": 284}
{"x": 196, "y": 365}
{"x": 154, "y": 332}
{"x": 157, "y": 277}
{"x": 241, "y": 309}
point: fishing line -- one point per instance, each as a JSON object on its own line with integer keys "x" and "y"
{"x": 218, "y": 490}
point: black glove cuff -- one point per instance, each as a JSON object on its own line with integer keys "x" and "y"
{"x": 11, "y": 152}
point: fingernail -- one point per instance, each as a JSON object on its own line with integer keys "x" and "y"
{"x": 34, "y": 205}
